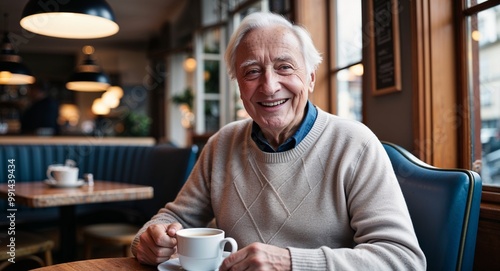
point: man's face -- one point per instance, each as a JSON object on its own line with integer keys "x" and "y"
{"x": 271, "y": 74}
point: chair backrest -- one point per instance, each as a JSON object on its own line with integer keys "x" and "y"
{"x": 444, "y": 208}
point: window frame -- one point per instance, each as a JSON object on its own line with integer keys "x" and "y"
{"x": 334, "y": 68}
{"x": 201, "y": 96}
{"x": 471, "y": 97}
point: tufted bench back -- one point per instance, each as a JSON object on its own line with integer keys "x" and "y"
{"x": 162, "y": 166}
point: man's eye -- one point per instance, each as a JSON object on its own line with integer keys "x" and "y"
{"x": 252, "y": 73}
{"x": 285, "y": 69}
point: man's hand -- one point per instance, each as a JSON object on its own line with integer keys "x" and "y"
{"x": 157, "y": 243}
{"x": 258, "y": 256}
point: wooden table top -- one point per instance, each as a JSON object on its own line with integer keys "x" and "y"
{"x": 105, "y": 264}
{"x": 39, "y": 194}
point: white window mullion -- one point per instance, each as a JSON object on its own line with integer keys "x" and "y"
{"x": 199, "y": 92}
{"x": 226, "y": 103}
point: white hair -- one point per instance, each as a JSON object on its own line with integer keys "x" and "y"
{"x": 312, "y": 57}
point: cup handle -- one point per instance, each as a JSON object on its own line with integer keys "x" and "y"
{"x": 49, "y": 175}
{"x": 234, "y": 245}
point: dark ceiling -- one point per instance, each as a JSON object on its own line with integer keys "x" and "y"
{"x": 139, "y": 21}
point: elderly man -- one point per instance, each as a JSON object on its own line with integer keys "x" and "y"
{"x": 298, "y": 188}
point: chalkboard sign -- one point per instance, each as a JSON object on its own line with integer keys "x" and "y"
{"x": 384, "y": 21}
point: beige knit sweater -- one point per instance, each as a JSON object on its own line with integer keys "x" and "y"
{"x": 333, "y": 201}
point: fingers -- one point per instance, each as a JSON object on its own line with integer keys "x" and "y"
{"x": 173, "y": 228}
{"x": 234, "y": 260}
{"x": 156, "y": 245}
{"x": 258, "y": 256}
{"x": 152, "y": 255}
{"x": 160, "y": 237}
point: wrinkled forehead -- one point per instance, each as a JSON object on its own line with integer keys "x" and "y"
{"x": 270, "y": 33}
{"x": 270, "y": 37}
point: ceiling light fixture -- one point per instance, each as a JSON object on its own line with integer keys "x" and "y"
{"x": 189, "y": 64}
{"x": 99, "y": 108}
{"x": 88, "y": 76}
{"x": 110, "y": 100}
{"x": 12, "y": 70}
{"x": 75, "y": 19}
{"x": 116, "y": 91}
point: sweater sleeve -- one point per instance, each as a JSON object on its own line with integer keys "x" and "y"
{"x": 192, "y": 206}
{"x": 383, "y": 233}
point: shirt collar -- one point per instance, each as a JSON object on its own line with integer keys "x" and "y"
{"x": 293, "y": 141}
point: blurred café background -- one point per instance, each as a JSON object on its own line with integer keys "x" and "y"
{"x": 146, "y": 70}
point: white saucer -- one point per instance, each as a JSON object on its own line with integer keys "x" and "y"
{"x": 175, "y": 265}
{"x": 53, "y": 183}
{"x": 170, "y": 265}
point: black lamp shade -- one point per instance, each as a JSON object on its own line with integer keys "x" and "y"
{"x": 88, "y": 77}
{"x": 12, "y": 70}
{"x": 75, "y": 19}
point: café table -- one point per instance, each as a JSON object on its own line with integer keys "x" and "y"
{"x": 105, "y": 264}
{"x": 38, "y": 194}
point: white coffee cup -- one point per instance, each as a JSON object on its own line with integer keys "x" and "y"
{"x": 62, "y": 174}
{"x": 201, "y": 249}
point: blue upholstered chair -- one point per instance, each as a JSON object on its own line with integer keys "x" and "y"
{"x": 444, "y": 207}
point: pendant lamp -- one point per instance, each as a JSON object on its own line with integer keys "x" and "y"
{"x": 12, "y": 70}
{"x": 88, "y": 76}
{"x": 72, "y": 19}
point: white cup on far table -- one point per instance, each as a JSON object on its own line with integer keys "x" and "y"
{"x": 201, "y": 249}
{"x": 61, "y": 174}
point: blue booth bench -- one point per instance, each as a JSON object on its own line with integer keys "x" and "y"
{"x": 164, "y": 167}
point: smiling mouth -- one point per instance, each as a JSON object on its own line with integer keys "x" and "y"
{"x": 271, "y": 104}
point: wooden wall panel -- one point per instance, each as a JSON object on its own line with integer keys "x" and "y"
{"x": 488, "y": 238}
{"x": 312, "y": 15}
{"x": 435, "y": 90}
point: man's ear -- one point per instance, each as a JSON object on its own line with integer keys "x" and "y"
{"x": 312, "y": 81}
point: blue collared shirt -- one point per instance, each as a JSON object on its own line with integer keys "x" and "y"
{"x": 292, "y": 142}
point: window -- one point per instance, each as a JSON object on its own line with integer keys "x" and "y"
{"x": 482, "y": 20}
{"x": 210, "y": 87}
{"x": 347, "y": 70}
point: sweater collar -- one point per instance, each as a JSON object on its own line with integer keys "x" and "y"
{"x": 293, "y": 141}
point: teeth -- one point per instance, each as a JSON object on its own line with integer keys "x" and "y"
{"x": 274, "y": 103}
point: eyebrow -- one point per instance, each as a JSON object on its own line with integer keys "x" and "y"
{"x": 251, "y": 62}
{"x": 247, "y": 63}
{"x": 284, "y": 58}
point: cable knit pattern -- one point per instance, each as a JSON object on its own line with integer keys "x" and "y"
{"x": 333, "y": 200}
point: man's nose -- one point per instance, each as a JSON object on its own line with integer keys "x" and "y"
{"x": 270, "y": 82}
